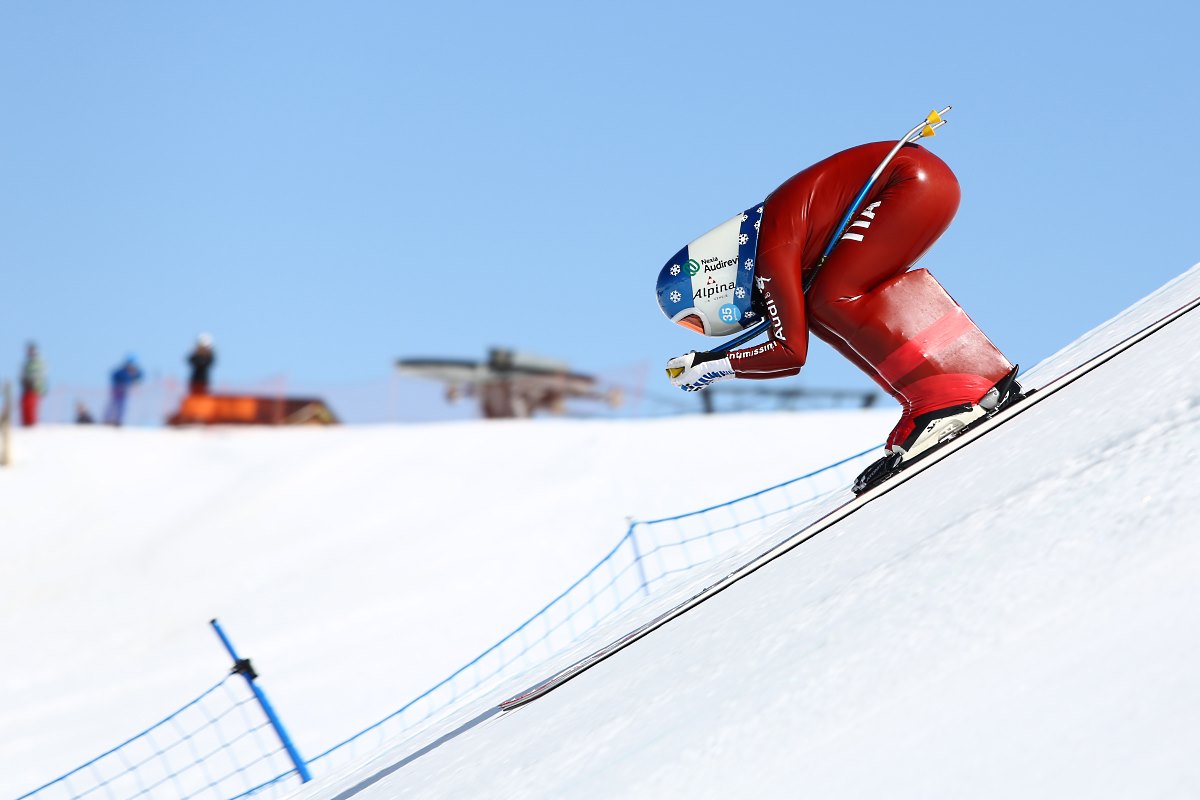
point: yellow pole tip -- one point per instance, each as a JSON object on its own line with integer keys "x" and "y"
{"x": 933, "y": 118}
{"x": 927, "y": 131}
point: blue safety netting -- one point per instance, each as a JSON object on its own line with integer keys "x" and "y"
{"x": 651, "y": 553}
{"x": 218, "y": 746}
{"x": 221, "y": 746}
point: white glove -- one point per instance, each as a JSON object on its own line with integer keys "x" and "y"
{"x": 690, "y": 376}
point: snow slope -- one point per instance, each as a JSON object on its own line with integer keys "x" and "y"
{"x": 1020, "y": 620}
{"x": 356, "y": 566}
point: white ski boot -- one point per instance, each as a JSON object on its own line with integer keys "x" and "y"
{"x": 936, "y": 427}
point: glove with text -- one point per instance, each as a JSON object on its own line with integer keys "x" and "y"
{"x": 695, "y": 371}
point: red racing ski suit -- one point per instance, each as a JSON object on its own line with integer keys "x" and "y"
{"x": 899, "y": 327}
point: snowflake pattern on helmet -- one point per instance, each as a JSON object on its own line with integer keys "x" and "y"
{"x": 747, "y": 251}
{"x": 711, "y": 279}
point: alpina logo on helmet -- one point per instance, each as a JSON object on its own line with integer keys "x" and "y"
{"x": 709, "y": 291}
{"x": 693, "y": 266}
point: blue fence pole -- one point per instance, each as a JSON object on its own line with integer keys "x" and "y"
{"x": 243, "y": 668}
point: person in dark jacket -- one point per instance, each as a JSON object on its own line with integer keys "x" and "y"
{"x": 124, "y": 378}
{"x": 201, "y": 361}
{"x": 82, "y": 415}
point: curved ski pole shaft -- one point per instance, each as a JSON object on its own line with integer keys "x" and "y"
{"x": 933, "y": 120}
{"x": 742, "y": 337}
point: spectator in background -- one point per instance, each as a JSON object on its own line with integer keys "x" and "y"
{"x": 124, "y": 378}
{"x": 201, "y": 360}
{"x": 82, "y": 415}
{"x": 33, "y": 385}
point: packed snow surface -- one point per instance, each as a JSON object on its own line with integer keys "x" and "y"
{"x": 355, "y": 566}
{"x": 1019, "y": 620}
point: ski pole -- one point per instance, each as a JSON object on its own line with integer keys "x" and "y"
{"x": 927, "y": 126}
{"x": 933, "y": 120}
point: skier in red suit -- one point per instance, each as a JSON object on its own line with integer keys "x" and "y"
{"x": 898, "y": 325}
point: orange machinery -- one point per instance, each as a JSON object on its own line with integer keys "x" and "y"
{"x": 235, "y": 409}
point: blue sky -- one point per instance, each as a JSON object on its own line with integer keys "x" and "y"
{"x": 329, "y": 186}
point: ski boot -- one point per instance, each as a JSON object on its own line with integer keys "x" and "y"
{"x": 935, "y": 428}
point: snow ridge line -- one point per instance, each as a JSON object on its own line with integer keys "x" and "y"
{"x": 849, "y": 507}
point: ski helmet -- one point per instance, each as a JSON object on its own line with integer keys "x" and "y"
{"x": 707, "y": 285}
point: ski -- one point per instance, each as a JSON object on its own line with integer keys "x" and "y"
{"x": 893, "y": 464}
{"x": 891, "y": 482}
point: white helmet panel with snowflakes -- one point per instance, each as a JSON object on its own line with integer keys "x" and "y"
{"x": 707, "y": 285}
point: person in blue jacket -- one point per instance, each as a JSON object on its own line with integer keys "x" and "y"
{"x": 124, "y": 378}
